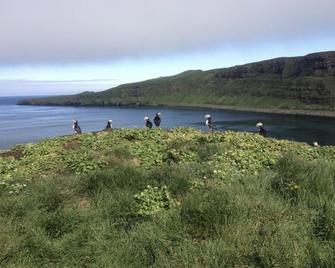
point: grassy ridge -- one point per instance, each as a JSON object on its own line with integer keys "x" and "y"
{"x": 179, "y": 198}
{"x": 306, "y": 83}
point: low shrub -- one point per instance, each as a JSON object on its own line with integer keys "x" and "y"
{"x": 153, "y": 199}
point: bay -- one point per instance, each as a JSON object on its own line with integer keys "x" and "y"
{"x": 24, "y": 124}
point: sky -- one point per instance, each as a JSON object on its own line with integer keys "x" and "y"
{"x": 69, "y": 46}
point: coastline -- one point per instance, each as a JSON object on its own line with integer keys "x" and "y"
{"x": 317, "y": 113}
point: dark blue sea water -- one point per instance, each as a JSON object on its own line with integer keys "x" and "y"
{"x": 23, "y": 124}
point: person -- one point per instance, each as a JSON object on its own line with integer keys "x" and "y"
{"x": 157, "y": 120}
{"x": 109, "y": 125}
{"x": 209, "y": 122}
{"x": 261, "y": 129}
{"x": 76, "y": 127}
{"x": 148, "y": 123}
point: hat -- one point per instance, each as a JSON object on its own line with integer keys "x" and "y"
{"x": 159, "y": 114}
{"x": 146, "y": 118}
{"x": 110, "y": 121}
{"x": 207, "y": 116}
{"x": 260, "y": 124}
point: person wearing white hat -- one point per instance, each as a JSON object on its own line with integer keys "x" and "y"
{"x": 261, "y": 129}
{"x": 76, "y": 127}
{"x": 158, "y": 120}
{"x": 109, "y": 125}
{"x": 148, "y": 123}
{"x": 209, "y": 122}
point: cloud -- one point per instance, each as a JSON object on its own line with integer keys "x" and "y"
{"x": 67, "y": 82}
{"x": 51, "y": 87}
{"x": 75, "y": 31}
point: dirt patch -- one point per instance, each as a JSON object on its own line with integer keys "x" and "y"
{"x": 83, "y": 203}
{"x": 16, "y": 154}
{"x": 115, "y": 160}
{"x": 136, "y": 162}
{"x": 74, "y": 144}
{"x": 80, "y": 202}
{"x": 130, "y": 137}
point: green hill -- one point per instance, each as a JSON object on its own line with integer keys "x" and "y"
{"x": 306, "y": 83}
{"x": 167, "y": 198}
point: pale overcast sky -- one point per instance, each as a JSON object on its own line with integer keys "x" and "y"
{"x": 68, "y": 46}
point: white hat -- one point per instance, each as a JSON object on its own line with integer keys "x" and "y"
{"x": 74, "y": 121}
{"x": 146, "y": 118}
{"x": 260, "y": 124}
{"x": 110, "y": 121}
{"x": 159, "y": 114}
{"x": 207, "y": 116}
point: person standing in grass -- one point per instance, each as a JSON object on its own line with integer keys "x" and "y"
{"x": 209, "y": 122}
{"x": 157, "y": 120}
{"x": 76, "y": 127}
{"x": 148, "y": 123}
{"x": 261, "y": 129}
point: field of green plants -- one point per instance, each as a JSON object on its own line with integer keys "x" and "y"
{"x": 167, "y": 198}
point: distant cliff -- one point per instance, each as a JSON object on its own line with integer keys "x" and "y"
{"x": 306, "y": 83}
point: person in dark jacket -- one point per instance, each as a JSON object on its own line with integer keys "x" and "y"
{"x": 209, "y": 122}
{"x": 109, "y": 125}
{"x": 76, "y": 127}
{"x": 158, "y": 120}
{"x": 261, "y": 129}
{"x": 148, "y": 123}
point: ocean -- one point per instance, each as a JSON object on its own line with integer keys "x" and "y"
{"x": 26, "y": 124}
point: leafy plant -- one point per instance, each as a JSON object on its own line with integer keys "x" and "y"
{"x": 153, "y": 199}
{"x": 82, "y": 162}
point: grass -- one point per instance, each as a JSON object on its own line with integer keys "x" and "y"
{"x": 299, "y": 83}
{"x": 219, "y": 204}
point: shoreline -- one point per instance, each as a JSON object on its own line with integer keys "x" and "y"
{"x": 316, "y": 113}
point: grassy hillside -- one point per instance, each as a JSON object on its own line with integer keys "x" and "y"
{"x": 285, "y": 83}
{"x": 167, "y": 198}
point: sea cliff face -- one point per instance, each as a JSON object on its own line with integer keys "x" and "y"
{"x": 306, "y": 82}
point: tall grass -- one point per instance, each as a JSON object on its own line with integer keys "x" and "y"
{"x": 251, "y": 221}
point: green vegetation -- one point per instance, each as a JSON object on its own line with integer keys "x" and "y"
{"x": 303, "y": 83}
{"x": 167, "y": 198}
